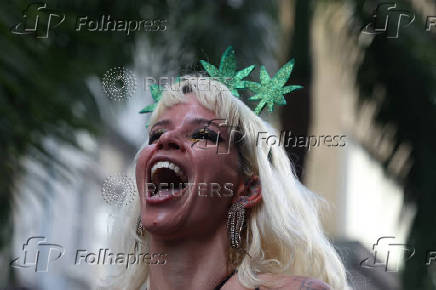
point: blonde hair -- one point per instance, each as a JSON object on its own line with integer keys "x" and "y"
{"x": 283, "y": 234}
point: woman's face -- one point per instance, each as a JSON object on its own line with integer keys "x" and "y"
{"x": 185, "y": 186}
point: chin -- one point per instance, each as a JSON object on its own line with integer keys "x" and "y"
{"x": 163, "y": 223}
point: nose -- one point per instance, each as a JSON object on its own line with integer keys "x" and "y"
{"x": 171, "y": 141}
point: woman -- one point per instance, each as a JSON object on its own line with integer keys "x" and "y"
{"x": 204, "y": 140}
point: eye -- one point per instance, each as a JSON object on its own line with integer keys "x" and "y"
{"x": 206, "y": 133}
{"x": 154, "y": 135}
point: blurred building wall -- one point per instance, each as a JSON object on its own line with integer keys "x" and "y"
{"x": 365, "y": 203}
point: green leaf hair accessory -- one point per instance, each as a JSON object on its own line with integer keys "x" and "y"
{"x": 270, "y": 91}
{"x": 227, "y": 73}
{"x": 156, "y": 94}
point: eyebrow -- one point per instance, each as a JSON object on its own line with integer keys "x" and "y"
{"x": 202, "y": 120}
{"x": 191, "y": 121}
{"x": 161, "y": 122}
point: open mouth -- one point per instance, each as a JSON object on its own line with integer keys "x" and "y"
{"x": 167, "y": 178}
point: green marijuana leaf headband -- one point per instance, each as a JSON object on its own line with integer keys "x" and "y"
{"x": 269, "y": 91}
{"x": 156, "y": 94}
{"x": 227, "y": 71}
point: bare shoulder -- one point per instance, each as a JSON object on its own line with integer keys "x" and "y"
{"x": 287, "y": 282}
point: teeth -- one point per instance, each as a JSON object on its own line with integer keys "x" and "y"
{"x": 170, "y": 165}
{"x": 179, "y": 172}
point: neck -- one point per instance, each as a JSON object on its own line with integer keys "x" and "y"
{"x": 191, "y": 263}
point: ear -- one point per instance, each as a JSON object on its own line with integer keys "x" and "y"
{"x": 250, "y": 192}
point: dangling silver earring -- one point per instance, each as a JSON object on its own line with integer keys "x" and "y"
{"x": 235, "y": 223}
{"x": 139, "y": 227}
